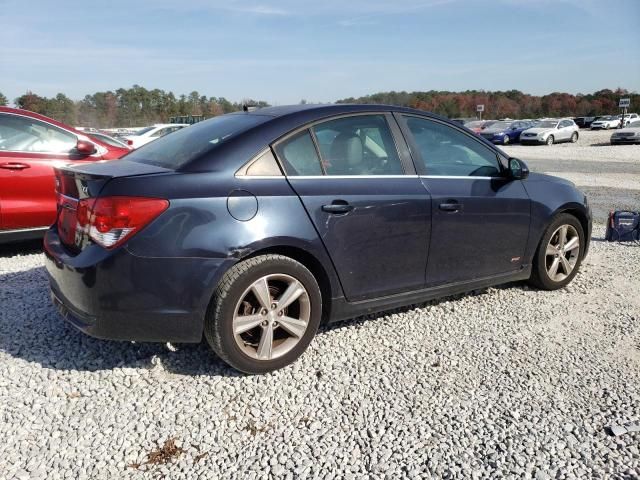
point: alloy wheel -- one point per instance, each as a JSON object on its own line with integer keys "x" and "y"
{"x": 271, "y": 316}
{"x": 562, "y": 252}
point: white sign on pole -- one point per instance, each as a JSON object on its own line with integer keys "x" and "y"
{"x": 624, "y": 103}
{"x": 480, "y": 108}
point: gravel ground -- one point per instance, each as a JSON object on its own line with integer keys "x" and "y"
{"x": 506, "y": 382}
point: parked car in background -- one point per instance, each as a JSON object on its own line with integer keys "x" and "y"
{"x": 628, "y": 118}
{"x": 606, "y": 122}
{"x": 149, "y": 134}
{"x": 585, "y": 122}
{"x": 252, "y": 228}
{"x": 627, "y": 135}
{"x": 31, "y": 145}
{"x": 550, "y": 131}
{"x": 505, "y": 132}
{"x": 114, "y": 142}
{"x": 476, "y": 126}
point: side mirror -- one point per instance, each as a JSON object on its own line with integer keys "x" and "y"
{"x": 518, "y": 170}
{"x": 83, "y": 147}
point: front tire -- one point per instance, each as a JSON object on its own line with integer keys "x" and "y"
{"x": 505, "y": 140}
{"x": 264, "y": 313}
{"x": 559, "y": 253}
{"x": 574, "y": 137}
{"x": 550, "y": 140}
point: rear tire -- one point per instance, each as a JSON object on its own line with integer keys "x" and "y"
{"x": 554, "y": 267}
{"x": 550, "y": 140}
{"x": 245, "y": 325}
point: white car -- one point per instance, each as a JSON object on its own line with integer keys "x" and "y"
{"x": 628, "y": 134}
{"x": 629, "y": 118}
{"x": 610, "y": 121}
{"x": 550, "y": 132}
{"x": 149, "y": 134}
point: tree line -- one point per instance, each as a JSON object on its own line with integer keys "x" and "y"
{"x": 138, "y": 106}
{"x": 126, "y": 107}
{"x": 511, "y": 104}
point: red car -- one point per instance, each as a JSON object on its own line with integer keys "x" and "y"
{"x": 31, "y": 145}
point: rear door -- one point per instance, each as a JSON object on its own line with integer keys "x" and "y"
{"x": 29, "y": 149}
{"x": 480, "y": 218}
{"x": 365, "y": 200}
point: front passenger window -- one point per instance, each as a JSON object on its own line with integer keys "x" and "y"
{"x": 445, "y": 151}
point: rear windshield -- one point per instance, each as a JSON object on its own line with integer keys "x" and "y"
{"x": 175, "y": 150}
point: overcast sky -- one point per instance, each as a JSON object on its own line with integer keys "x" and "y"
{"x": 321, "y": 51}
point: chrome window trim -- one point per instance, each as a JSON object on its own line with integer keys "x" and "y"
{"x": 347, "y": 177}
{"x": 459, "y": 177}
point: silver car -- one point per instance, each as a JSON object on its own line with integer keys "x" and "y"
{"x": 629, "y": 134}
{"x": 551, "y": 131}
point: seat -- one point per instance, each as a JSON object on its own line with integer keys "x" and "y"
{"x": 347, "y": 155}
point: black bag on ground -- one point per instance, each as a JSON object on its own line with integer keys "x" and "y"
{"x": 623, "y": 226}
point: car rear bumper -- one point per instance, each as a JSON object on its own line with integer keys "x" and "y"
{"x": 120, "y": 296}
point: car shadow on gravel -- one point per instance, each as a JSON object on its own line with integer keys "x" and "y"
{"x": 21, "y": 248}
{"x": 32, "y": 330}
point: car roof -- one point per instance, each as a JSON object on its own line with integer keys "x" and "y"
{"x": 325, "y": 110}
{"x": 280, "y": 121}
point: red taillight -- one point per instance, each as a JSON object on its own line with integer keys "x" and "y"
{"x": 110, "y": 221}
{"x": 129, "y": 142}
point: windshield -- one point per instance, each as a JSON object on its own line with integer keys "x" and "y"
{"x": 546, "y": 124}
{"x": 608, "y": 117}
{"x": 179, "y": 148}
{"x": 474, "y": 124}
{"x": 143, "y": 131}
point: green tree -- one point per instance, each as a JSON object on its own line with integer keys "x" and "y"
{"x": 3, "y": 100}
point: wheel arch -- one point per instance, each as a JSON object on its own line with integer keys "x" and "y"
{"x": 577, "y": 211}
{"x": 312, "y": 263}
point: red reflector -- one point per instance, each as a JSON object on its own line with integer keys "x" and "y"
{"x": 129, "y": 142}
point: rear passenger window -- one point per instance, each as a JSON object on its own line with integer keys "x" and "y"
{"x": 446, "y": 151}
{"x": 298, "y": 155}
{"x": 358, "y": 145}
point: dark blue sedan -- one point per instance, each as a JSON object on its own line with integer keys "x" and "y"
{"x": 506, "y": 132}
{"x": 253, "y": 228}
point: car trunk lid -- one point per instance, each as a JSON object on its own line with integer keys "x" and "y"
{"x": 77, "y": 186}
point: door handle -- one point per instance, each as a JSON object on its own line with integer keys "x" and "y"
{"x": 14, "y": 166}
{"x": 337, "y": 206}
{"x": 451, "y": 206}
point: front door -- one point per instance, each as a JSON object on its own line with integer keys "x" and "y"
{"x": 373, "y": 219}
{"x": 480, "y": 218}
{"x": 29, "y": 149}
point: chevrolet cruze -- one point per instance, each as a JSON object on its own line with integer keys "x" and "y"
{"x": 253, "y": 228}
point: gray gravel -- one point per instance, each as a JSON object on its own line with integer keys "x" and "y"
{"x": 507, "y": 382}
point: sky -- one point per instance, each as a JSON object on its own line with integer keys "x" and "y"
{"x": 285, "y": 51}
